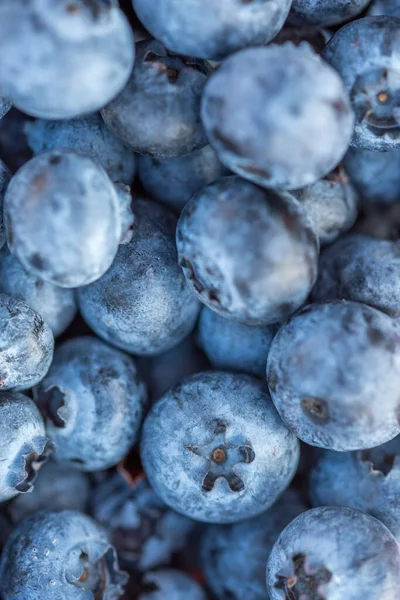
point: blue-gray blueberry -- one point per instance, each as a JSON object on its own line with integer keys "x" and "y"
{"x": 324, "y": 13}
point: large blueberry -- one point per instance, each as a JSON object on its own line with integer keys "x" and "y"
{"x": 215, "y": 449}
{"x": 278, "y": 116}
{"x": 334, "y": 553}
{"x": 376, "y": 175}
{"x": 247, "y": 253}
{"x": 324, "y": 13}
{"x": 333, "y": 372}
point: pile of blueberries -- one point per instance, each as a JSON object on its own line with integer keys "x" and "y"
{"x": 200, "y": 299}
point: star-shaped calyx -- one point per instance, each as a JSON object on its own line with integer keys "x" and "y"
{"x": 222, "y": 458}
{"x": 305, "y": 583}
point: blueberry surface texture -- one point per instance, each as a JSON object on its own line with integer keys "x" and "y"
{"x": 5, "y": 106}
{"x": 324, "y": 13}
{"x": 212, "y": 30}
{"x": 93, "y": 401}
{"x": 158, "y": 111}
{"x": 334, "y": 553}
{"x": 366, "y": 54}
{"x": 333, "y": 373}
{"x": 375, "y": 175}
{"x": 296, "y": 128}
{"x": 63, "y": 555}
{"x": 24, "y": 446}
{"x": 63, "y": 59}
{"x": 247, "y": 253}
{"x": 215, "y": 449}
{"x": 390, "y": 8}
{"x": 142, "y": 304}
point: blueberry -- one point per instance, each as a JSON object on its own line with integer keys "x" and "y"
{"x": 234, "y": 557}
{"x": 24, "y": 445}
{"x": 144, "y": 531}
{"x": 158, "y": 112}
{"x": 26, "y": 345}
{"x": 247, "y": 253}
{"x": 56, "y": 305}
{"x": 234, "y": 346}
{"x": 93, "y": 401}
{"x": 5, "y": 177}
{"x": 71, "y": 224}
{"x": 57, "y": 487}
{"x": 215, "y": 449}
{"x": 87, "y": 135}
{"x": 366, "y": 54}
{"x": 278, "y": 116}
{"x": 324, "y": 13}
{"x": 61, "y": 555}
{"x": 376, "y": 175}
{"x": 334, "y": 553}
{"x": 63, "y": 59}
{"x": 142, "y": 303}
{"x": 212, "y": 30}
{"x": 171, "y": 584}
{"x": 367, "y": 480}
{"x": 390, "y": 8}
{"x": 173, "y": 181}
{"x": 331, "y": 205}
{"x": 5, "y": 106}
{"x": 333, "y": 372}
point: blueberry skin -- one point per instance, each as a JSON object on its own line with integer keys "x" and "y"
{"x": 56, "y": 305}
{"x": 72, "y": 224}
{"x": 376, "y": 175}
{"x": 171, "y": 584}
{"x": 214, "y": 448}
{"x": 5, "y": 106}
{"x": 142, "y": 303}
{"x": 59, "y": 63}
{"x": 368, "y": 481}
{"x": 304, "y": 108}
{"x": 93, "y": 401}
{"x": 212, "y": 30}
{"x": 248, "y": 254}
{"x": 362, "y": 269}
{"x": 63, "y": 555}
{"x": 26, "y": 345}
{"x": 57, "y": 487}
{"x": 366, "y": 54}
{"x": 158, "y": 111}
{"x": 24, "y": 445}
{"x": 390, "y": 8}
{"x": 333, "y": 374}
{"x": 334, "y": 553}
{"x": 173, "y": 181}
{"x": 86, "y": 135}
{"x": 229, "y": 576}
{"x": 234, "y": 346}
{"x": 324, "y": 13}
{"x": 144, "y": 531}
{"x": 5, "y": 177}
{"x": 331, "y": 205}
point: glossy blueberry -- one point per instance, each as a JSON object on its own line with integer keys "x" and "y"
{"x": 145, "y": 532}
{"x": 376, "y": 175}
{"x": 56, "y": 305}
{"x": 23, "y": 444}
{"x": 334, "y": 553}
{"x": 366, "y": 54}
{"x": 85, "y": 135}
{"x": 5, "y": 177}
{"x": 72, "y": 222}
{"x": 5, "y": 106}
{"x": 26, "y": 345}
{"x": 62, "y": 555}
{"x": 63, "y": 59}
{"x": 158, "y": 111}
{"x": 215, "y": 449}
{"x": 367, "y": 480}
{"x": 331, "y": 205}
{"x": 57, "y": 487}
{"x": 324, "y": 13}
{"x": 304, "y": 108}
{"x": 333, "y": 372}
{"x": 234, "y": 556}
{"x": 390, "y": 8}
{"x": 233, "y": 346}
{"x": 93, "y": 402}
{"x": 171, "y": 584}
{"x": 249, "y": 254}
{"x": 142, "y": 303}
{"x": 212, "y": 30}
{"x": 173, "y": 181}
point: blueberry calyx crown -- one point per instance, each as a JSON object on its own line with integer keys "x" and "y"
{"x": 222, "y": 458}
{"x": 305, "y": 583}
{"x": 97, "y": 576}
{"x": 33, "y": 462}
